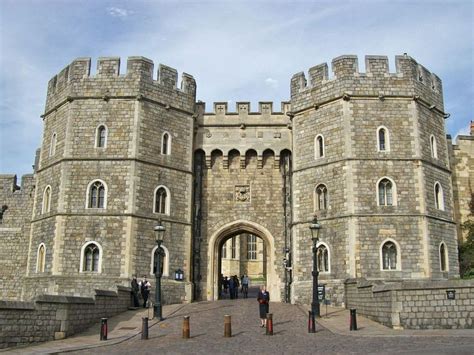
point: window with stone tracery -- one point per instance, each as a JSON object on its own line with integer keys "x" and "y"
{"x": 321, "y": 194}
{"x": 91, "y": 258}
{"x": 322, "y": 255}
{"x": 162, "y": 200}
{"x": 386, "y": 192}
{"x": 97, "y": 195}
{"x": 389, "y": 256}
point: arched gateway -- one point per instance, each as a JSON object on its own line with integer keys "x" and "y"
{"x": 215, "y": 246}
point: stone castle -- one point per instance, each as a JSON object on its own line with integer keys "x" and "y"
{"x": 366, "y": 153}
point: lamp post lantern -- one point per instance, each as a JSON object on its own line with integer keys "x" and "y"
{"x": 315, "y": 309}
{"x": 159, "y": 230}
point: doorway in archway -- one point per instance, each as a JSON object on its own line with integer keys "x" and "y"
{"x": 225, "y": 233}
{"x": 240, "y": 255}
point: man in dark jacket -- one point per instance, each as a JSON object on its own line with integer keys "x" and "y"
{"x": 135, "y": 290}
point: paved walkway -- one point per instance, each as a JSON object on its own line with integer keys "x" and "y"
{"x": 290, "y": 333}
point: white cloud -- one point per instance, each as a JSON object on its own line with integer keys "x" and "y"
{"x": 118, "y": 12}
{"x": 233, "y": 51}
{"x": 273, "y": 83}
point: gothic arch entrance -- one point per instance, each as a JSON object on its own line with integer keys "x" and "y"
{"x": 215, "y": 246}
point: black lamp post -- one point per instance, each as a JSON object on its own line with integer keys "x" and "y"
{"x": 315, "y": 227}
{"x": 160, "y": 232}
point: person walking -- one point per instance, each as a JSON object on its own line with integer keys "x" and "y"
{"x": 226, "y": 285}
{"x": 245, "y": 286}
{"x": 145, "y": 287}
{"x": 263, "y": 299}
{"x": 236, "y": 286}
{"x": 231, "y": 287}
{"x": 135, "y": 290}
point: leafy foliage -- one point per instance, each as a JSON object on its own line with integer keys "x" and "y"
{"x": 466, "y": 249}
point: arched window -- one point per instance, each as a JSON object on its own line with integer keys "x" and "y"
{"x": 41, "y": 258}
{"x": 390, "y": 256}
{"x": 166, "y": 144}
{"x": 164, "y": 261}
{"x": 46, "y": 207}
{"x": 443, "y": 257}
{"x": 97, "y": 194}
{"x": 322, "y": 255}
{"x": 101, "y": 137}
{"x": 434, "y": 149}
{"x": 439, "y": 198}
{"x": 386, "y": 192}
{"x": 91, "y": 255}
{"x": 321, "y": 195}
{"x": 162, "y": 200}
{"x": 52, "y": 147}
{"x": 383, "y": 139}
{"x": 318, "y": 146}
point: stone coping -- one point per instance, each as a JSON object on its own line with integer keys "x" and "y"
{"x": 64, "y": 299}
{"x": 106, "y": 293}
{"x": 17, "y": 305}
{"x": 383, "y": 286}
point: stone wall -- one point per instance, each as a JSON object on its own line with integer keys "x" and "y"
{"x": 462, "y": 164}
{"x": 51, "y": 317}
{"x": 14, "y": 233}
{"x": 413, "y": 304}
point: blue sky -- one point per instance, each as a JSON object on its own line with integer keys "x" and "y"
{"x": 236, "y": 50}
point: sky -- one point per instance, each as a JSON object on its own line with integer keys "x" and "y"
{"x": 236, "y": 50}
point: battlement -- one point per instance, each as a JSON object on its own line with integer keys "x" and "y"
{"x": 109, "y": 68}
{"x": 347, "y": 67}
{"x": 9, "y": 184}
{"x": 243, "y": 108}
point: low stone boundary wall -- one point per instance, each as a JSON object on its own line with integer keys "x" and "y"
{"x": 414, "y": 304}
{"x": 51, "y": 317}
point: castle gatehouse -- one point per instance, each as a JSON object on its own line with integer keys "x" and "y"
{"x": 364, "y": 152}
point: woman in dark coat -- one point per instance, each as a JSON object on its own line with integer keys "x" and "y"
{"x": 263, "y": 299}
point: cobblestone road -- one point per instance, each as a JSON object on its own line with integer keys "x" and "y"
{"x": 290, "y": 335}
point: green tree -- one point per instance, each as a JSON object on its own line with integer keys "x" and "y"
{"x": 466, "y": 248}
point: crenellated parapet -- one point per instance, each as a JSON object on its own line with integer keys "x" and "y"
{"x": 9, "y": 184}
{"x": 242, "y": 131}
{"x": 411, "y": 79}
{"x": 76, "y": 81}
{"x": 16, "y": 201}
{"x": 243, "y": 113}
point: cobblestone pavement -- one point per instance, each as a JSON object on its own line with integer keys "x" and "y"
{"x": 290, "y": 335}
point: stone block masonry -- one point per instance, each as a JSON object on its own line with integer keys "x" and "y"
{"x": 51, "y": 317}
{"x": 414, "y": 304}
{"x": 122, "y": 149}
